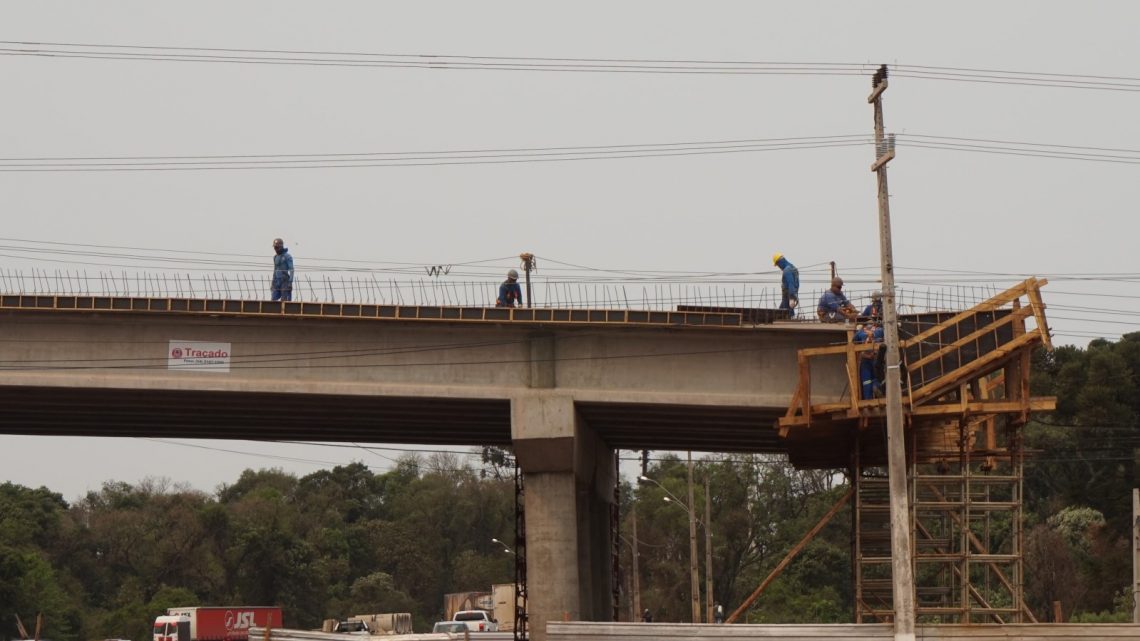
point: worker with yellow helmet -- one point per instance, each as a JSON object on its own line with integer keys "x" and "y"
{"x": 789, "y": 283}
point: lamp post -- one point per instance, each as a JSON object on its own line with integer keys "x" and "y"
{"x": 693, "y": 572}
{"x": 503, "y": 545}
{"x": 635, "y": 600}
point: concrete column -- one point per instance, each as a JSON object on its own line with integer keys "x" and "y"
{"x": 569, "y": 480}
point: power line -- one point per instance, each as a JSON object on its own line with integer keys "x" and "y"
{"x": 426, "y": 160}
{"x": 102, "y": 51}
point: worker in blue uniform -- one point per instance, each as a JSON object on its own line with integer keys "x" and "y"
{"x": 833, "y": 305}
{"x": 870, "y": 333}
{"x": 510, "y": 294}
{"x": 789, "y": 283}
{"x": 282, "y": 286}
{"x": 875, "y": 309}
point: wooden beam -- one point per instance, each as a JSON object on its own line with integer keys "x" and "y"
{"x": 792, "y": 554}
{"x": 805, "y": 387}
{"x": 853, "y": 381}
{"x": 1035, "y": 302}
{"x": 1036, "y": 404}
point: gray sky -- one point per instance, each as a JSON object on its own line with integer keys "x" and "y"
{"x": 1002, "y": 215}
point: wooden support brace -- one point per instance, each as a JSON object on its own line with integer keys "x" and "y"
{"x": 792, "y": 554}
{"x": 1034, "y": 293}
{"x": 883, "y": 160}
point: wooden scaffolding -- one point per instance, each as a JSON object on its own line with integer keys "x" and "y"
{"x": 965, "y": 401}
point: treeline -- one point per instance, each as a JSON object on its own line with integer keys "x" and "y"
{"x": 328, "y": 544}
{"x": 348, "y": 540}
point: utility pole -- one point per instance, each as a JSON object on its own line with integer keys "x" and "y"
{"x": 695, "y": 581}
{"x": 636, "y": 576}
{"x": 708, "y": 555}
{"x": 902, "y": 569}
{"x": 529, "y": 264}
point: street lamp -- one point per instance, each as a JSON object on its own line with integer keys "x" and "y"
{"x": 694, "y": 575}
{"x": 708, "y": 549}
{"x": 503, "y": 545}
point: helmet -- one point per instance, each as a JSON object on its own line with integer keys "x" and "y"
{"x": 876, "y": 295}
{"x": 514, "y": 273}
{"x": 837, "y": 282}
{"x": 776, "y": 257}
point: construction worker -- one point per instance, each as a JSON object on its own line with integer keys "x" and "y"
{"x": 282, "y": 286}
{"x": 833, "y": 305}
{"x": 510, "y": 294}
{"x": 789, "y": 283}
{"x": 875, "y": 309}
{"x": 872, "y": 333}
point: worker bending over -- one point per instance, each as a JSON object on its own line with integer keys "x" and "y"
{"x": 510, "y": 294}
{"x": 833, "y": 305}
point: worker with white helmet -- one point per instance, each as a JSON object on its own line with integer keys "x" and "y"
{"x": 510, "y": 294}
{"x": 875, "y": 309}
{"x": 789, "y": 283}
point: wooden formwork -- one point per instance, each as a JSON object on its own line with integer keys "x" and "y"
{"x": 965, "y": 400}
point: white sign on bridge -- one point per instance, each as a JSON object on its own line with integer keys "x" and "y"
{"x": 198, "y": 356}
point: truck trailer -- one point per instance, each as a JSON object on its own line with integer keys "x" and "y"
{"x": 226, "y": 623}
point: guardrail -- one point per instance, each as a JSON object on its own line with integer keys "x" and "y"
{"x": 284, "y": 634}
{"x": 583, "y": 631}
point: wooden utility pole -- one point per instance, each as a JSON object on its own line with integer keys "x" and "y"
{"x": 708, "y": 554}
{"x": 902, "y": 569}
{"x": 528, "y": 266}
{"x": 636, "y": 575}
{"x": 695, "y": 579}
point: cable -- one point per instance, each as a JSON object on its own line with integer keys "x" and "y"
{"x": 578, "y": 64}
{"x": 423, "y": 161}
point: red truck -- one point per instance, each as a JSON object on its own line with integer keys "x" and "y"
{"x": 227, "y": 623}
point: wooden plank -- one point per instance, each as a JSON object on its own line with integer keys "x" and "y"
{"x": 1036, "y": 404}
{"x": 853, "y": 381}
{"x": 805, "y": 387}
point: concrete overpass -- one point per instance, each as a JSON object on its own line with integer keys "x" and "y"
{"x": 565, "y": 388}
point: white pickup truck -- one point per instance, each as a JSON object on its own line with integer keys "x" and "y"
{"x": 477, "y": 620}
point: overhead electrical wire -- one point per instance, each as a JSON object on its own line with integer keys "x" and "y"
{"x": 508, "y": 155}
{"x": 326, "y": 58}
{"x": 438, "y": 158}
